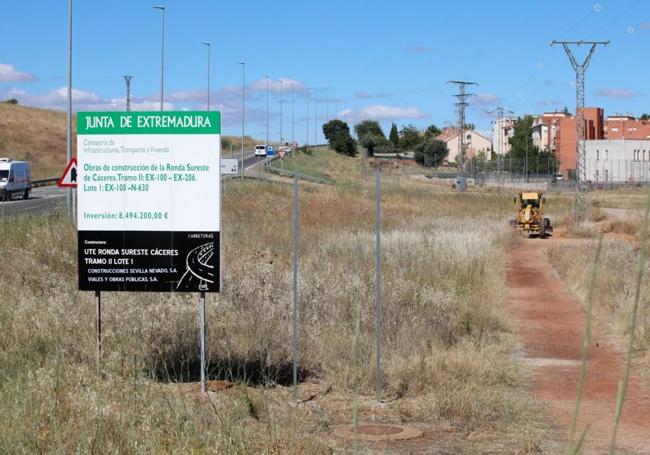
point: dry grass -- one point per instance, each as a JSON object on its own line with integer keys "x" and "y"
{"x": 626, "y": 198}
{"x": 581, "y": 231}
{"x": 448, "y": 354}
{"x": 630, "y": 226}
{"x": 35, "y": 135}
{"x": 614, "y": 289}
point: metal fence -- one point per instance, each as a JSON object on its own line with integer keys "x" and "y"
{"x": 544, "y": 173}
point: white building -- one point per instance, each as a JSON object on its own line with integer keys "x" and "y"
{"x": 474, "y": 142}
{"x": 502, "y": 130}
{"x": 618, "y": 160}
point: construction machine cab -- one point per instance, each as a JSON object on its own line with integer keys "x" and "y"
{"x": 529, "y": 217}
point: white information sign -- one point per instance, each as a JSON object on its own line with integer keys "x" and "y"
{"x": 229, "y": 166}
{"x": 148, "y": 201}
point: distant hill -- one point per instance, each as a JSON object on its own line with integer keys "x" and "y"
{"x": 35, "y": 135}
{"x": 39, "y": 136}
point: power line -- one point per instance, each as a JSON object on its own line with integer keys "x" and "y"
{"x": 617, "y": 17}
{"x": 536, "y": 71}
{"x": 461, "y": 104}
{"x": 127, "y": 79}
{"x": 581, "y": 201}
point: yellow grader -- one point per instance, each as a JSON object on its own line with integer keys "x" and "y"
{"x": 530, "y": 219}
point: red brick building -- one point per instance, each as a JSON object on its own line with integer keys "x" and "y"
{"x": 556, "y": 132}
{"x": 626, "y": 127}
{"x": 565, "y": 139}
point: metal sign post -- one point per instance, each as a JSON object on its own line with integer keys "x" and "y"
{"x": 378, "y": 281}
{"x": 294, "y": 300}
{"x": 98, "y": 329}
{"x": 202, "y": 332}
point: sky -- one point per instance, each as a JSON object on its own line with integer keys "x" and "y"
{"x": 354, "y": 59}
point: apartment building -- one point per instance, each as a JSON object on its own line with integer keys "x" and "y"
{"x": 502, "y": 130}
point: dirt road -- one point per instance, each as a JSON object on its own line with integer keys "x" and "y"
{"x": 550, "y": 326}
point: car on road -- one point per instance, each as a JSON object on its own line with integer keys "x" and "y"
{"x": 15, "y": 178}
{"x": 260, "y": 150}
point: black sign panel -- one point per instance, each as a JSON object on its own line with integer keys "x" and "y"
{"x": 149, "y": 261}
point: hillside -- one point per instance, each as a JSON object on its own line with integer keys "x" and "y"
{"x": 36, "y": 135}
{"x": 39, "y": 136}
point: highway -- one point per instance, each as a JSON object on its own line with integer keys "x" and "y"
{"x": 45, "y": 199}
{"x": 250, "y": 160}
{"x": 48, "y": 199}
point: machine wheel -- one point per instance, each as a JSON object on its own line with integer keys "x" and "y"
{"x": 542, "y": 231}
{"x": 7, "y": 196}
{"x": 26, "y": 194}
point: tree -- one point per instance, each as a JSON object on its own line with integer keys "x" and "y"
{"x": 370, "y": 135}
{"x": 644, "y": 117}
{"x": 333, "y": 128}
{"x": 368, "y": 126}
{"x": 337, "y": 133}
{"x": 430, "y": 152}
{"x": 431, "y": 132}
{"x": 409, "y": 137}
{"x": 523, "y": 154}
{"x": 372, "y": 142}
{"x": 470, "y": 126}
{"x": 393, "y": 137}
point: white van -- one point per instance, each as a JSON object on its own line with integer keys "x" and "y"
{"x": 15, "y": 178}
{"x": 260, "y": 150}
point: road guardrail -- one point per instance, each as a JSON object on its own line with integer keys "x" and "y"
{"x": 44, "y": 182}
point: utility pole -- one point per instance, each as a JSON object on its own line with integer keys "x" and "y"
{"x": 315, "y": 118}
{"x": 293, "y": 138}
{"x": 307, "y": 136}
{"x": 205, "y": 43}
{"x": 281, "y": 138}
{"x": 501, "y": 137}
{"x": 243, "y": 110}
{"x": 327, "y": 108}
{"x": 267, "y": 110}
{"x": 461, "y": 104}
{"x": 581, "y": 199}
{"x": 266, "y": 144}
{"x": 127, "y": 79}
{"x": 500, "y": 111}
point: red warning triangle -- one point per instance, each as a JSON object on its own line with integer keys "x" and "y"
{"x": 69, "y": 177}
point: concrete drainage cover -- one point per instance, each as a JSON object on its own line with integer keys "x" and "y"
{"x": 378, "y": 432}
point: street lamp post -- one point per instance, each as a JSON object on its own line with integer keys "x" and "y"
{"x": 293, "y": 139}
{"x": 243, "y": 110}
{"x": 315, "y": 118}
{"x": 526, "y": 161}
{"x": 68, "y": 155}
{"x": 208, "y": 46}
{"x": 267, "y": 110}
{"x": 281, "y": 138}
{"x": 162, "y": 54}
{"x": 266, "y": 144}
{"x": 307, "y": 122}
